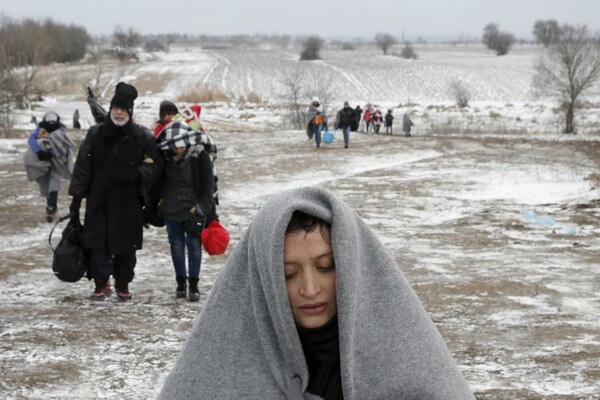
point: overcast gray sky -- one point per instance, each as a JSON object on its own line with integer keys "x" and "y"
{"x": 431, "y": 19}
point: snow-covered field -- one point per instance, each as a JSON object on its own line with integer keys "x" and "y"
{"x": 494, "y": 220}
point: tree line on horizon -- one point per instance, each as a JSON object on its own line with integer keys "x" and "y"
{"x": 568, "y": 67}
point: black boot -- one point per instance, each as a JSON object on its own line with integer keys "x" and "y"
{"x": 181, "y": 287}
{"x": 194, "y": 294}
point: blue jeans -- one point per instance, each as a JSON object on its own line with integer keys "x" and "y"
{"x": 317, "y": 130}
{"x": 52, "y": 200}
{"x": 179, "y": 239}
{"x": 347, "y": 129}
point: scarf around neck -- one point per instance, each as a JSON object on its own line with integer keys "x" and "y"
{"x": 245, "y": 343}
{"x": 321, "y": 348}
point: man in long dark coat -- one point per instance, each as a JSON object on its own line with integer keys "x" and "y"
{"x": 114, "y": 165}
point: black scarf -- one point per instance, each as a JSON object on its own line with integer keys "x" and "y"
{"x": 322, "y": 352}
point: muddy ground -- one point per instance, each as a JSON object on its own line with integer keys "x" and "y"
{"x": 518, "y": 302}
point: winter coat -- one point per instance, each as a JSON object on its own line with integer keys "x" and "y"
{"x": 114, "y": 169}
{"x": 367, "y": 115}
{"x": 160, "y": 125}
{"x": 185, "y": 183}
{"x": 377, "y": 118}
{"x": 406, "y": 123}
{"x": 346, "y": 117}
{"x": 310, "y": 114}
{"x": 389, "y": 119}
{"x": 245, "y": 343}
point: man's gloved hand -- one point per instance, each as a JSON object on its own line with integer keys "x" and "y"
{"x": 44, "y": 155}
{"x": 74, "y": 207}
{"x": 130, "y": 175}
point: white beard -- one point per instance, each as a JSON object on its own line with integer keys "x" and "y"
{"x": 117, "y": 122}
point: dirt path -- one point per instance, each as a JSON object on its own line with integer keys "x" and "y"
{"x": 517, "y": 301}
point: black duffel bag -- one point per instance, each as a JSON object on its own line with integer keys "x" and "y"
{"x": 70, "y": 261}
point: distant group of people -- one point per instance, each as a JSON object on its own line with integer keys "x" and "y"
{"x": 350, "y": 119}
{"x": 372, "y": 119}
{"x": 131, "y": 178}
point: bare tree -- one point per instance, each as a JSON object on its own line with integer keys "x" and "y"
{"x": 301, "y": 86}
{"x": 170, "y": 38}
{"x": 294, "y": 83}
{"x": 408, "y": 52}
{"x": 460, "y": 93}
{"x": 568, "y": 68}
{"x": 311, "y": 48}
{"x": 546, "y": 32}
{"x": 323, "y": 89}
{"x": 126, "y": 43}
{"x": 99, "y": 79}
{"x": 24, "y": 48}
{"x": 496, "y": 40}
{"x": 70, "y": 42}
{"x": 385, "y": 41}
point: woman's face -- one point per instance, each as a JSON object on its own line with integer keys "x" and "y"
{"x": 310, "y": 278}
{"x": 179, "y": 151}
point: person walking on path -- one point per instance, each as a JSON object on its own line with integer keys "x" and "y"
{"x": 186, "y": 200}
{"x": 76, "y": 123}
{"x": 346, "y": 121}
{"x": 367, "y": 116}
{"x": 406, "y": 124}
{"x": 113, "y": 172}
{"x": 389, "y": 121}
{"x": 49, "y": 158}
{"x": 315, "y": 121}
{"x": 359, "y": 112}
{"x": 376, "y": 120}
{"x": 167, "y": 110}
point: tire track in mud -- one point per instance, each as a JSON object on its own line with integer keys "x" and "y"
{"x": 221, "y": 63}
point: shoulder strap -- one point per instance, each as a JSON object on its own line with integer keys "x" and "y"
{"x": 61, "y": 219}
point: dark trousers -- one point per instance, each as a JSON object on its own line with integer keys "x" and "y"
{"x": 103, "y": 265}
{"x": 52, "y": 200}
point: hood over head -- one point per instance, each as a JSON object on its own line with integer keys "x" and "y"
{"x": 245, "y": 342}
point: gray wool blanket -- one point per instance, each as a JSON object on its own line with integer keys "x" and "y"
{"x": 245, "y": 344}
{"x": 61, "y": 146}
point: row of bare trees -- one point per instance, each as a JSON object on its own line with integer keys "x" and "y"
{"x": 312, "y": 45}
{"x": 28, "y": 45}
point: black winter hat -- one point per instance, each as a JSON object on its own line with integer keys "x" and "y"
{"x": 124, "y": 96}
{"x": 167, "y": 106}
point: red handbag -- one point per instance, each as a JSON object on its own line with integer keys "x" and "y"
{"x": 215, "y": 238}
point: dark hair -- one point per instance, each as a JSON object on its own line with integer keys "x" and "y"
{"x": 302, "y": 221}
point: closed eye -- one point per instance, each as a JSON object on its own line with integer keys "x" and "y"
{"x": 326, "y": 268}
{"x": 290, "y": 275}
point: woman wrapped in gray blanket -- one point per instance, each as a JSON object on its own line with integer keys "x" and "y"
{"x": 48, "y": 158}
{"x": 310, "y": 305}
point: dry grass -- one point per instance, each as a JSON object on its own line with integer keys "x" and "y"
{"x": 152, "y": 83}
{"x": 204, "y": 94}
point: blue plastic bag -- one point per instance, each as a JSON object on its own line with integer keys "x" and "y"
{"x": 328, "y": 137}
